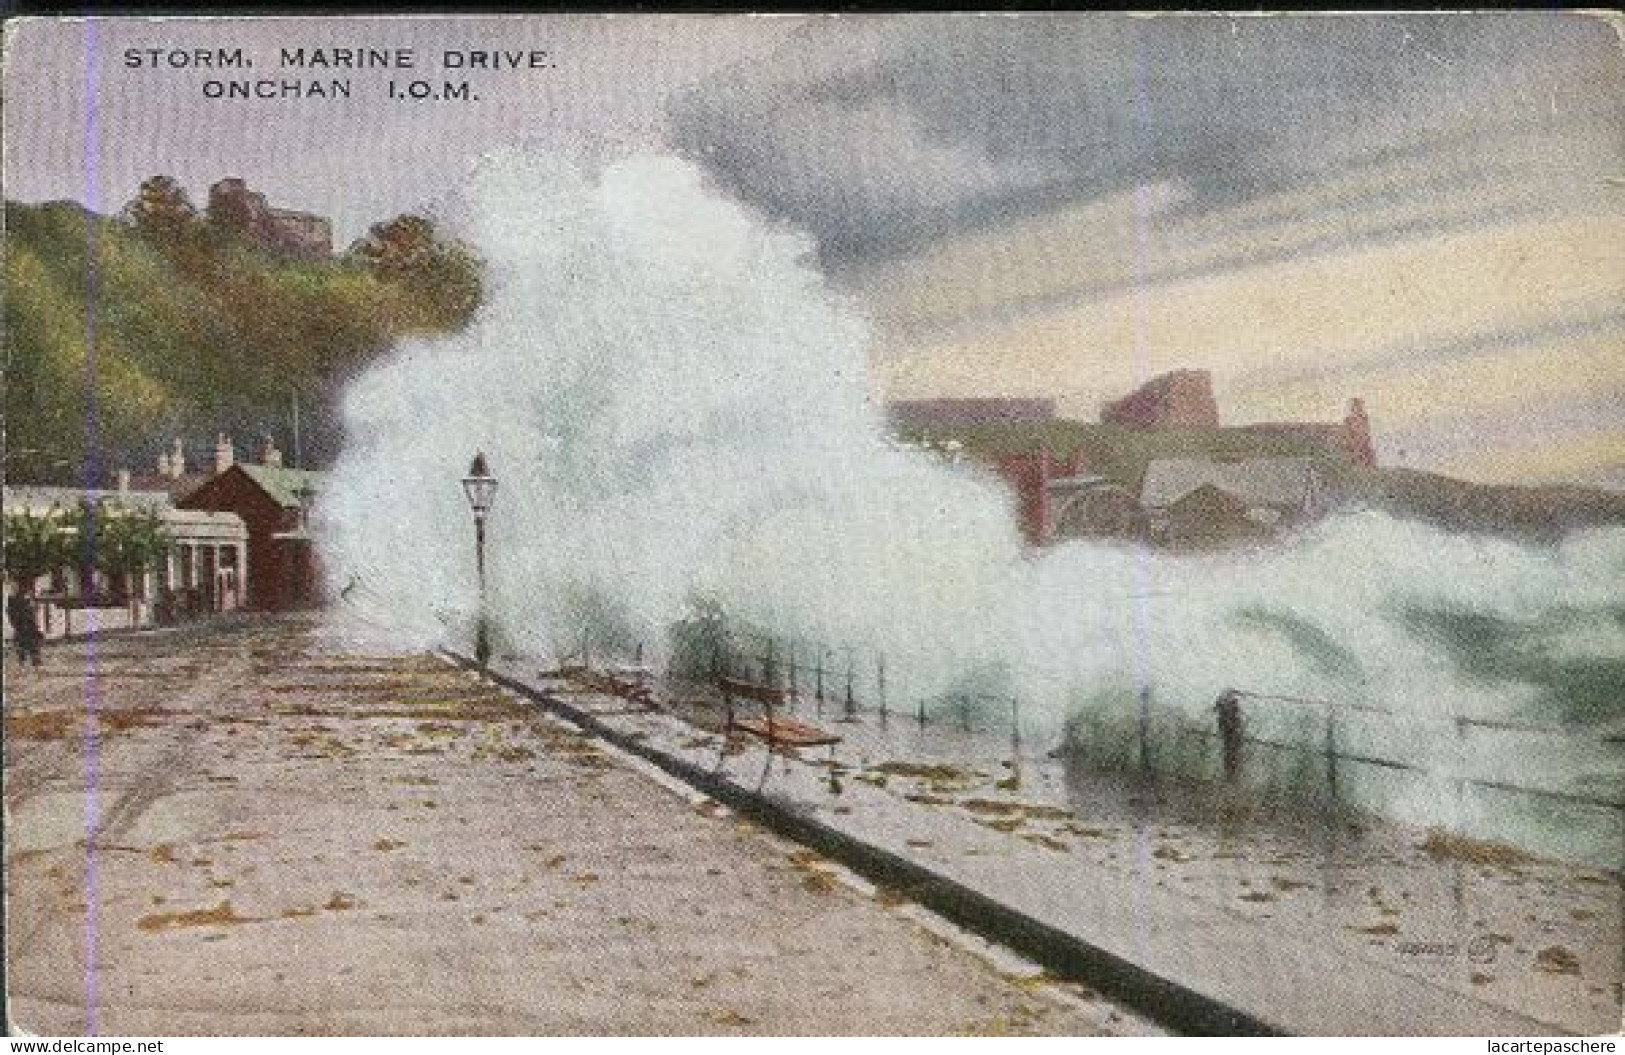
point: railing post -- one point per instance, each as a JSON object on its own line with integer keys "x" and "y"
{"x": 880, "y": 687}
{"x": 1232, "y": 733}
{"x": 793, "y": 691}
{"x": 1458, "y": 887}
{"x": 1331, "y": 752}
{"x": 1461, "y": 774}
{"x": 1144, "y": 729}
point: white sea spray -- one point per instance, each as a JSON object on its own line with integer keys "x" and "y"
{"x": 674, "y": 401}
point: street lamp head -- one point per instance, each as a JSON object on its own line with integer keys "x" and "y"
{"x": 480, "y": 486}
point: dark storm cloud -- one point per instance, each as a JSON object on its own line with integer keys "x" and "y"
{"x": 878, "y": 135}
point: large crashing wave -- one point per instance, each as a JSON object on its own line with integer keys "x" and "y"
{"x": 675, "y": 403}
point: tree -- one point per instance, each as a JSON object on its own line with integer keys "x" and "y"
{"x": 35, "y": 546}
{"x": 118, "y": 543}
{"x": 127, "y": 544}
{"x": 232, "y": 207}
{"x": 398, "y": 248}
{"x": 440, "y": 277}
{"x": 161, "y": 210}
{"x": 81, "y": 528}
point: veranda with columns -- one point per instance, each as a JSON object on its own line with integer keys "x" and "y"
{"x": 204, "y": 572}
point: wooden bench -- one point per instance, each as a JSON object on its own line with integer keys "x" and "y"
{"x": 749, "y": 690}
{"x": 787, "y": 732}
{"x": 784, "y": 737}
{"x": 634, "y": 688}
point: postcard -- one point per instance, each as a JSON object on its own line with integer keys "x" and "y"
{"x": 879, "y": 525}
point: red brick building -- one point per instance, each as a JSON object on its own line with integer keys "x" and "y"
{"x": 1182, "y": 399}
{"x": 272, "y": 501}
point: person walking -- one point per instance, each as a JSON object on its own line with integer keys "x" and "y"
{"x": 24, "y": 626}
{"x": 1230, "y": 732}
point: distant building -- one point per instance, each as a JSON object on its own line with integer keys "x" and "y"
{"x": 1208, "y": 518}
{"x": 1090, "y": 506}
{"x": 1349, "y": 439}
{"x": 286, "y": 232}
{"x": 204, "y": 571}
{"x": 1182, "y": 399}
{"x": 1270, "y": 494}
{"x": 923, "y": 415}
{"x": 272, "y": 502}
{"x": 1030, "y": 476}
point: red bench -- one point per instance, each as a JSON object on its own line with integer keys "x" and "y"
{"x": 787, "y": 732}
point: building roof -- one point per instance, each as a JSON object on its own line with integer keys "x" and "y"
{"x": 1282, "y": 482}
{"x": 177, "y": 487}
{"x": 283, "y": 484}
{"x": 200, "y": 525}
{"x": 1209, "y": 499}
{"x": 1085, "y": 481}
{"x": 41, "y": 497}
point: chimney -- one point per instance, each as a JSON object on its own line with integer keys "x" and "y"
{"x": 123, "y": 480}
{"x": 224, "y": 456}
{"x": 1357, "y": 435}
{"x": 177, "y": 460}
{"x": 271, "y": 457}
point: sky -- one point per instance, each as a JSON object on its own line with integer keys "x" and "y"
{"x": 1426, "y": 211}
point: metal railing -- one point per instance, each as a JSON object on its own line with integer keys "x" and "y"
{"x": 845, "y": 683}
{"x": 848, "y": 681}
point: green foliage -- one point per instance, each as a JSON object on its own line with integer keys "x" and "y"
{"x": 698, "y": 641}
{"x": 81, "y": 527}
{"x": 121, "y": 332}
{"x": 129, "y": 542}
{"x": 35, "y": 545}
{"x": 161, "y": 210}
{"x": 441, "y": 278}
{"x": 229, "y": 212}
{"x": 106, "y": 538}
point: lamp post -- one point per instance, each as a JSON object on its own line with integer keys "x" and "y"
{"x": 481, "y": 488}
